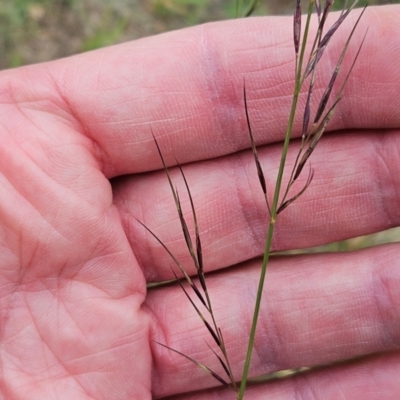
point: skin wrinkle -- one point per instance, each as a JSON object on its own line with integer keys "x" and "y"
{"x": 24, "y": 262}
{"x": 242, "y": 191}
{"x": 378, "y": 187}
{"x": 383, "y": 153}
{"x": 58, "y": 81}
{"x": 60, "y": 303}
{"x": 224, "y": 109}
{"x": 128, "y": 224}
{"x": 97, "y": 150}
{"x": 276, "y": 73}
{"x": 44, "y": 342}
{"x": 335, "y": 382}
{"x": 270, "y": 354}
{"x": 381, "y": 294}
{"x": 16, "y": 100}
{"x": 5, "y": 319}
{"x": 54, "y": 353}
{"x": 306, "y": 392}
{"x": 158, "y": 332}
{"x": 40, "y": 169}
{"x": 149, "y": 250}
{"x": 296, "y": 392}
{"x": 36, "y": 165}
{"x": 242, "y": 196}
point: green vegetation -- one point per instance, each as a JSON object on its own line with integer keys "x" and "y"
{"x": 32, "y": 31}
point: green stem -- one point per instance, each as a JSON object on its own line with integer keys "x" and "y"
{"x": 267, "y": 251}
{"x": 275, "y": 205}
{"x": 239, "y": 7}
{"x": 256, "y": 312}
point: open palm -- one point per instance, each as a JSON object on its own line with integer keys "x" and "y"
{"x": 76, "y": 321}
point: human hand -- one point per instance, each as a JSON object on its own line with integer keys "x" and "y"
{"x": 76, "y": 322}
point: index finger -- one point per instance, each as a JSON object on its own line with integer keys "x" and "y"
{"x": 188, "y": 86}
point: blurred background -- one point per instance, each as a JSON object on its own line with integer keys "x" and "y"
{"x": 33, "y": 31}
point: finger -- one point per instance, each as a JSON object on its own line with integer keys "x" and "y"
{"x": 374, "y": 377}
{"x": 188, "y": 86}
{"x": 354, "y": 192}
{"x": 56, "y": 212}
{"x": 316, "y": 309}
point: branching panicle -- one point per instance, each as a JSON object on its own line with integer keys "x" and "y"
{"x": 260, "y": 172}
{"x": 318, "y": 128}
{"x": 202, "y": 294}
{"x": 305, "y": 72}
{"x": 310, "y": 137}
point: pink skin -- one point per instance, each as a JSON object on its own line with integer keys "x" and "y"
{"x": 76, "y": 321}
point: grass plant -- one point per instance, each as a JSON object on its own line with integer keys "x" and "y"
{"x": 307, "y": 63}
{"x": 310, "y": 135}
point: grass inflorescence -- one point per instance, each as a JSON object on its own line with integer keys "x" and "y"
{"x": 201, "y": 292}
{"x": 304, "y": 73}
{"x": 313, "y": 127}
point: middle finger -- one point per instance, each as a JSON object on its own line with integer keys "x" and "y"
{"x": 354, "y": 192}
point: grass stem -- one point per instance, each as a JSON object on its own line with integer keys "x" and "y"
{"x": 318, "y": 48}
{"x": 271, "y": 227}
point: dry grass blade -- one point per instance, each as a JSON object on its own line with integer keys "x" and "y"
{"x": 197, "y": 258}
{"x": 328, "y": 90}
{"x": 185, "y": 274}
{"x": 307, "y": 110}
{"x": 166, "y": 170}
{"x": 200, "y": 365}
{"x": 313, "y": 144}
{"x": 295, "y": 197}
{"x": 198, "y": 261}
{"x": 297, "y": 27}
{"x": 318, "y": 9}
{"x": 260, "y": 172}
{"x": 200, "y": 314}
{"x": 336, "y": 25}
{"x": 345, "y": 6}
{"x": 317, "y": 53}
{"x": 319, "y": 128}
{"x": 185, "y": 230}
{"x": 195, "y": 255}
{"x": 315, "y": 139}
{"x": 224, "y": 366}
{"x": 327, "y": 8}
